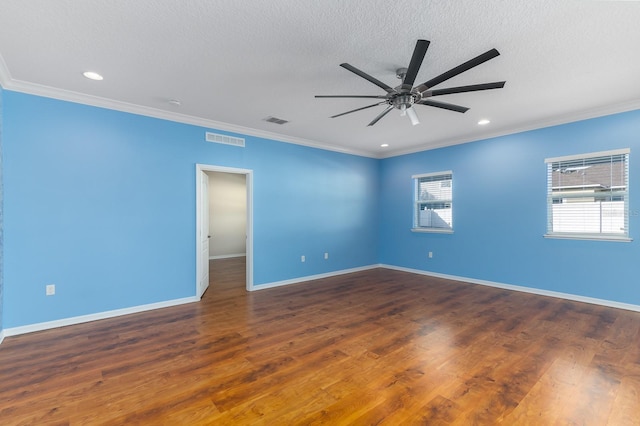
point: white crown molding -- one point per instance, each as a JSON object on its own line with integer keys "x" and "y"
{"x": 5, "y": 77}
{"x": 540, "y": 124}
{"x": 81, "y": 98}
{"x": 50, "y": 92}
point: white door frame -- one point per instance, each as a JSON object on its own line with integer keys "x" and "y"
{"x": 202, "y": 168}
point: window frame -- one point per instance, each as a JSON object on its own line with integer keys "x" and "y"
{"x": 417, "y": 202}
{"x": 597, "y": 236}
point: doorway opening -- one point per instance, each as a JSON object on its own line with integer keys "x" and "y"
{"x": 218, "y": 244}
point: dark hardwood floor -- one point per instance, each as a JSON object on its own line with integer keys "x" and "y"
{"x": 375, "y": 347}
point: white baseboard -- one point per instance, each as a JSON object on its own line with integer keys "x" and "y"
{"x": 227, "y": 256}
{"x": 14, "y": 331}
{"x": 312, "y": 277}
{"x": 532, "y": 290}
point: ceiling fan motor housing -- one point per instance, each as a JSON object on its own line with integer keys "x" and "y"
{"x": 402, "y": 98}
{"x": 402, "y": 101}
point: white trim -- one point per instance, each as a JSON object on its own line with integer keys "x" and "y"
{"x": 423, "y": 175}
{"x": 417, "y": 202}
{"x": 249, "y": 242}
{"x": 588, "y": 155}
{"x": 532, "y": 290}
{"x": 313, "y": 277}
{"x": 536, "y": 125}
{"x": 201, "y": 168}
{"x": 227, "y": 256}
{"x": 82, "y": 98}
{"x": 95, "y": 317}
{"x": 620, "y": 191}
{"x": 5, "y": 76}
{"x": 142, "y": 308}
{"x": 8, "y": 83}
{"x": 201, "y": 200}
{"x": 433, "y": 230}
{"x": 223, "y": 169}
{"x": 588, "y": 237}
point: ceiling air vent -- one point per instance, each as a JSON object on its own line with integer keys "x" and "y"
{"x": 275, "y": 120}
{"x": 224, "y": 139}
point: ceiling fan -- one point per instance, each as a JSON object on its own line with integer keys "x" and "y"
{"x": 405, "y": 96}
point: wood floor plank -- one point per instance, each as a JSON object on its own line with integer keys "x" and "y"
{"x": 373, "y": 347}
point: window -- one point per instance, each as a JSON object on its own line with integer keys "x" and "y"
{"x": 587, "y": 196}
{"x": 432, "y": 211}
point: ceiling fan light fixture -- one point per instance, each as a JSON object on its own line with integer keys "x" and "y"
{"x": 413, "y": 116}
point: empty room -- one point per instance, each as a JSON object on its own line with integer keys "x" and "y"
{"x": 296, "y": 212}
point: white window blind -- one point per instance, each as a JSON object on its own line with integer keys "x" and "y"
{"x": 587, "y": 196}
{"x": 433, "y": 202}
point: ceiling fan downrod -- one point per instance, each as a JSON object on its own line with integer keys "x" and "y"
{"x": 405, "y": 99}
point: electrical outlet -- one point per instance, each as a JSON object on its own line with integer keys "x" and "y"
{"x": 50, "y": 289}
{"x": 302, "y": 258}
{"x": 430, "y": 254}
{"x": 326, "y": 256}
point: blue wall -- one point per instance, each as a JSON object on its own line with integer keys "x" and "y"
{"x": 102, "y": 204}
{"x": 499, "y": 213}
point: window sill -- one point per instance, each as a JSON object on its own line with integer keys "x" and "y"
{"x": 590, "y": 237}
{"x": 433, "y": 230}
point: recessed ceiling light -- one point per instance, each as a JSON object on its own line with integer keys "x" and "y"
{"x": 174, "y": 102}
{"x": 92, "y": 75}
{"x": 384, "y": 145}
{"x": 484, "y": 122}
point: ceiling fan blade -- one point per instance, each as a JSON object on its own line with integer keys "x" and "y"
{"x": 443, "y": 105}
{"x": 352, "y": 96}
{"x": 459, "y": 69}
{"x": 414, "y": 66}
{"x": 382, "y": 114}
{"x": 463, "y": 89}
{"x": 366, "y": 76}
{"x": 357, "y": 109}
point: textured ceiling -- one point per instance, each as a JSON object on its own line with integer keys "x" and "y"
{"x": 233, "y": 63}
